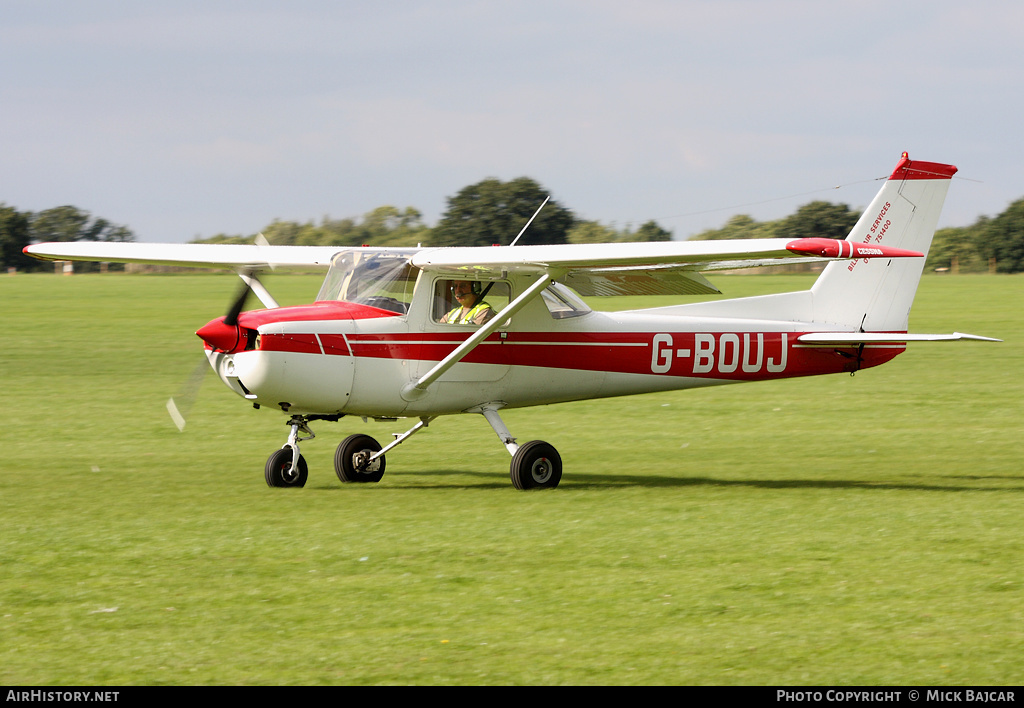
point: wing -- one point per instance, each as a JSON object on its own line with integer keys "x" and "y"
{"x": 196, "y": 255}
{"x": 669, "y": 267}
{"x": 666, "y": 267}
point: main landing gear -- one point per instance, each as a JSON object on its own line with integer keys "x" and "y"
{"x": 360, "y": 458}
{"x": 354, "y": 461}
{"x": 535, "y": 465}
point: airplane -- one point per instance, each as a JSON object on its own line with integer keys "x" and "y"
{"x": 377, "y": 342}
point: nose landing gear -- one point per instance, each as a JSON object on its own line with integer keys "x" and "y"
{"x": 279, "y": 471}
{"x": 286, "y": 467}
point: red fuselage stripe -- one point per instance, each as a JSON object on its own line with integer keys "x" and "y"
{"x": 731, "y": 355}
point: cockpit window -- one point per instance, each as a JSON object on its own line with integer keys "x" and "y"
{"x": 470, "y": 302}
{"x": 382, "y": 279}
{"x": 563, "y": 303}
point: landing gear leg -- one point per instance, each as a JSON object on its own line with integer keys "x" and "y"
{"x": 535, "y": 465}
{"x": 287, "y": 467}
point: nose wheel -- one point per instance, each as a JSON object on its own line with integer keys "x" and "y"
{"x": 286, "y": 467}
{"x": 280, "y": 472}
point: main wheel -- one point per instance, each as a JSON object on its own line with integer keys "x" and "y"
{"x": 536, "y": 465}
{"x": 352, "y": 460}
{"x": 278, "y": 471}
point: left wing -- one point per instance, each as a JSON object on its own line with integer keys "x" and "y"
{"x": 665, "y": 267}
{"x": 249, "y": 258}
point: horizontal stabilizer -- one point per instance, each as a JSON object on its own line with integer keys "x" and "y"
{"x": 883, "y": 337}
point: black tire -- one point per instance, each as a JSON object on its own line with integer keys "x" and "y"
{"x": 349, "y": 460}
{"x": 536, "y": 465}
{"x": 278, "y": 470}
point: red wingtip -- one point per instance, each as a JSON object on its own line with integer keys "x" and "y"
{"x": 824, "y": 247}
{"x": 831, "y": 248}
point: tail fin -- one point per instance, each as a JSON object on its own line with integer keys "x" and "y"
{"x": 875, "y": 295}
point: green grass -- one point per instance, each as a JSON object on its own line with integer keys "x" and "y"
{"x": 829, "y": 530}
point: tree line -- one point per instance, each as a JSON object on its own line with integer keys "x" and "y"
{"x": 64, "y": 223}
{"x": 493, "y": 212}
{"x": 483, "y": 214}
{"x": 990, "y": 244}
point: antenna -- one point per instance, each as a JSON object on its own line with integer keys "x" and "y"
{"x": 531, "y": 220}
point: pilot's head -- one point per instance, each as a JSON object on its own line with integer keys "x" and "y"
{"x": 466, "y": 292}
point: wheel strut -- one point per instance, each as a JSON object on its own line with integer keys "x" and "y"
{"x": 490, "y": 412}
{"x": 402, "y": 437}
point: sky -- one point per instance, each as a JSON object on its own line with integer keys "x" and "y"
{"x": 187, "y": 119}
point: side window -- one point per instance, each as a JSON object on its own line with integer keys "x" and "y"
{"x": 563, "y": 303}
{"x": 468, "y": 302}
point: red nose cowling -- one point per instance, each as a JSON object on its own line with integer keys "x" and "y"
{"x": 232, "y": 338}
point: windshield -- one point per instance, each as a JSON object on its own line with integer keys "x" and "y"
{"x": 379, "y": 278}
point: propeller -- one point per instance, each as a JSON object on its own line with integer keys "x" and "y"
{"x": 231, "y": 318}
{"x": 221, "y": 334}
{"x": 180, "y": 406}
{"x": 251, "y": 284}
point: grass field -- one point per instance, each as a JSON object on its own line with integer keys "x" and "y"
{"x": 831, "y": 530}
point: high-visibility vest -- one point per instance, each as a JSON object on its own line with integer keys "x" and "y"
{"x": 455, "y": 316}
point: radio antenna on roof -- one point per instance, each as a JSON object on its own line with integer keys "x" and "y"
{"x": 531, "y": 220}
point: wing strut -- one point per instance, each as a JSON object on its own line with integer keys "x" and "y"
{"x": 258, "y": 289}
{"x": 417, "y": 389}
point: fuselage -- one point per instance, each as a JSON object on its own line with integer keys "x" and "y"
{"x": 349, "y": 357}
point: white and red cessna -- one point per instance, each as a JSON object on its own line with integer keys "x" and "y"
{"x": 374, "y": 344}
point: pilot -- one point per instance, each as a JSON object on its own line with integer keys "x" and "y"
{"x": 472, "y": 308}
